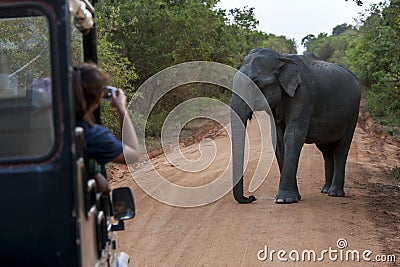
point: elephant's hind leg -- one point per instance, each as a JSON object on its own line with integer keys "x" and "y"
{"x": 327, "y": 152}
{"x": 340, "y": 156}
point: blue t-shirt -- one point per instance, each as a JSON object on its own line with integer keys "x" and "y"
{"x": 101, "y": 144}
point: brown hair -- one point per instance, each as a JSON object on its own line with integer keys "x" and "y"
{"x": 89, "y": 82}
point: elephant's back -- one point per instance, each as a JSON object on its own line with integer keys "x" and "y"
{"x": 333, "y": 79}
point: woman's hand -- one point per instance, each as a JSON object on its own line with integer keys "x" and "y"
{"x": 118, "y": 100}
{"x": 102, "y": 184}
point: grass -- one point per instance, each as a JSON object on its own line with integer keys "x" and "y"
{"x": 394, "y": 174}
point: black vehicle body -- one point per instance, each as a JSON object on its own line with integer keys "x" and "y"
{"x": 51, "y": 212}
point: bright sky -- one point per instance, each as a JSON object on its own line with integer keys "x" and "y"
{"x": 298, "y": 18}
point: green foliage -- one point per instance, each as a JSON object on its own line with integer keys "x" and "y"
{"x": 375, "y": 57}
{"x": 25, "y": 48}
{"x": 244, "y": 18}
{"x": 118, "y": 67}
{"x": 280, "y": 44}
{"x": 394, "y": 173}
{"x": 156, "y": 34}
{"x": 341, "y": 29}
{"x": 314, "y": 44}
{"x": 384, "y": 103}
{"x": 122, "y": 75}
{"x": 331, "y": 48}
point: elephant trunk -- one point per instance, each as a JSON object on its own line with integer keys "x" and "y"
{"x": 240, "y": 113}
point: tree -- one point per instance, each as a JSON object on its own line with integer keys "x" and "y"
{"x": 358, "y": 2}
{"x": 280, "y": 44}
{"x": 244, "y": 18}
{"x": 375, "y": 57}
{"x": 156, "y": 34}
{"x": 317, "y": 44}
{"x": 341, "y": 29}
{"x": 306, "y": 39}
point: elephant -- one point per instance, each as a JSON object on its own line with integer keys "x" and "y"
{"x": 312, "y": 101}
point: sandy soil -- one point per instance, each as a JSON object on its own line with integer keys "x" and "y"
{"x": 225, "y": 233}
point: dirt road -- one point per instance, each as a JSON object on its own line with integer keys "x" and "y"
{"x": 225, "y": 233}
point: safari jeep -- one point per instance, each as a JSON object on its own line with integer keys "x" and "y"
{"x": 51, "y": 212}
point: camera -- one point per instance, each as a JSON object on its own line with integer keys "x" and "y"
{"x": 109, "y": 91}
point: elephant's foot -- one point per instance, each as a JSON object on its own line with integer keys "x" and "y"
{"x": 336, "y": 192}
{"x": 287, "y": 197}
{"x": 325, "y": 189}
{"x": 245, "y": 200}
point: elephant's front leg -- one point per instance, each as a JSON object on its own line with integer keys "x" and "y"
{"x": 293, "y": 142}
{"x": 280, "y": 148}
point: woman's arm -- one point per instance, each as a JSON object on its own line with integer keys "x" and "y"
{"x": 130, "y": 140}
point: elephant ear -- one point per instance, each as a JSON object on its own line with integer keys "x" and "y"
{"x": 289, "y": 77}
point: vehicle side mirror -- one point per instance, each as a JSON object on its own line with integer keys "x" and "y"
{"x": 123, "y": 204}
